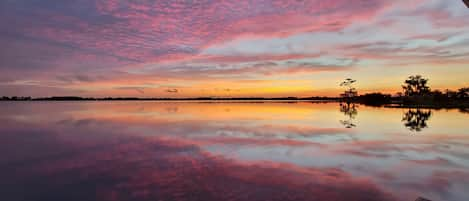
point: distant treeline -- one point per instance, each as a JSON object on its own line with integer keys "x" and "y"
{"x": 415, "y": 93}
{"x": 434, "y": 99}
{"x": 77, "y": 98}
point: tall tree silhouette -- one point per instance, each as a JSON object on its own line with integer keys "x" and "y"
{"x": 350, "y": 91}
{"x": 416, "y": 85}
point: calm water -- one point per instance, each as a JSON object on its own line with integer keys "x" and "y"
{"x": 83, "y": 151}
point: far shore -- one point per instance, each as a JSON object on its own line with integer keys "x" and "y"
{"x": 394, "y": 103}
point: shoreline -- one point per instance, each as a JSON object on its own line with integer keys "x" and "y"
{"x": 459, "y": 105}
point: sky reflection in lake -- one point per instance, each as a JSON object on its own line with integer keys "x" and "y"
{"x": 230, "y": 151}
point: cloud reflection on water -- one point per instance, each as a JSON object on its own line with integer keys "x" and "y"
{"x": 224, "y": 151}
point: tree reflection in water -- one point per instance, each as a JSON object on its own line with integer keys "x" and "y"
{"x": 349, "y": 110}
{"x": 416, "y": 119}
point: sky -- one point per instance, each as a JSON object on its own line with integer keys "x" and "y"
{"x": 224, "y": 48}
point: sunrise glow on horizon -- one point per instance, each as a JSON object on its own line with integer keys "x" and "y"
{"x": 254, "y": 48}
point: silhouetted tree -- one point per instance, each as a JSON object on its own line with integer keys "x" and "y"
{"x": 350, "y": 91}
{"x": 463, "y": 92}
{"x": 439, "y": 97}
{"x": 451, "y": 94}
{"x": 416, "y": 120}
{"x": 416, "y": 85}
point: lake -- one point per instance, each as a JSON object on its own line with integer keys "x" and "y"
{"x": 211, "y": 151}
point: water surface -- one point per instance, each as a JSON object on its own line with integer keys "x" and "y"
{"x": 79, "y": 151}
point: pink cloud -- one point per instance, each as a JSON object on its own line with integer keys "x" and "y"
{"x": 150, "y": 32}
{"x": 130, "y": 36}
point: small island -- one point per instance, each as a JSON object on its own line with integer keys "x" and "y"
{"x": 416, "y": 94}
